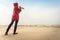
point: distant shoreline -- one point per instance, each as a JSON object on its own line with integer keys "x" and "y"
{"x": 35, "y": 25}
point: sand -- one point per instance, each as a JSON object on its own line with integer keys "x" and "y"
{"x": 31, "y": 33}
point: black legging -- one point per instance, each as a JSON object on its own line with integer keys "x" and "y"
{"x": 15, "y": 27}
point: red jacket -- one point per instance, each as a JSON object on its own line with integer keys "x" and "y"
{"x": 16, "y": 12}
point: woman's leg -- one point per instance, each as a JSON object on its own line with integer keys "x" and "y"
{"x": 9, "y": 27}
{"x": 15, "y": 27}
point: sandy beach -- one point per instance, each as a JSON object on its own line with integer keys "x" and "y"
{"x": 31, "y": 33}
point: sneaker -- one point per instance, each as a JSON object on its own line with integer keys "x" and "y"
{"x": 6, "y": 33}
{"x": 15, "y": 33}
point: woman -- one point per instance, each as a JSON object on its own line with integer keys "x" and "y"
{"x": 15, "y": 17}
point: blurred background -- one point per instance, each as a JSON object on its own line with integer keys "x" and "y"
{"x": 36, "y": 12}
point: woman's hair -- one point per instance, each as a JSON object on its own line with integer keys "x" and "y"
{"x": 15, "y": 4}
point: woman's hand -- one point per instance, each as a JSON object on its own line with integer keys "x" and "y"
{"x": 22, "y": 7}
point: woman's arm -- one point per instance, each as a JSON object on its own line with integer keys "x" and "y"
{"x": 21, "y": 7}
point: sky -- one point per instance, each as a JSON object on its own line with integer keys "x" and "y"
{"x": 36, "y": 12}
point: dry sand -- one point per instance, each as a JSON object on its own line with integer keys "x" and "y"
{"x": 31, "y": 33}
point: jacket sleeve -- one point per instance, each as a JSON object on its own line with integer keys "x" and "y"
{"x": 19, "y": 10}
